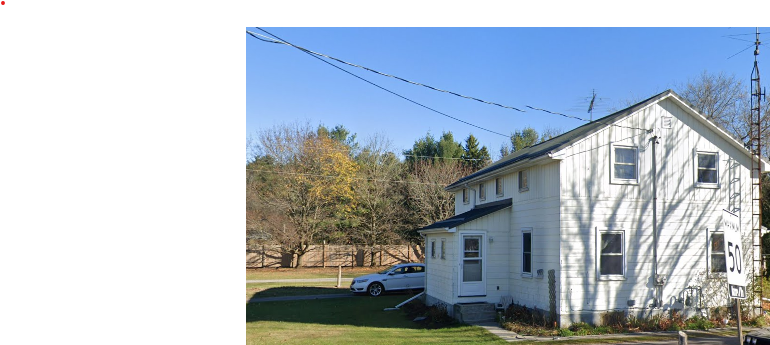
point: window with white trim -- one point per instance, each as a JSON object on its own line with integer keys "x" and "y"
{"x": 717, "y": 253}
{"x": 625, "y": 164}
{"x": 523, "y": 180}
{"x": 499, "y": 186}
{"x": 482, "y": 191}
{"x": 443, "y": 248}
{"x": 526, "y": 252}
{"x": 466, "y": 196}
{"x": 433, "y": 249}
{"x": 707, "y": 169}
{"x": 612, "y": 254}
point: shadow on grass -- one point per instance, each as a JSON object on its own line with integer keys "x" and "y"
{"x": 299, "y": 291}
{"x": 364, "y": 311}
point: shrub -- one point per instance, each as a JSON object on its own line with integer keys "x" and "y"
{"x": 614, "y": 318}
{"x": 699, "y": 322}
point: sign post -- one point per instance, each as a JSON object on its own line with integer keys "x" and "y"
{"x": 736, "y": 275}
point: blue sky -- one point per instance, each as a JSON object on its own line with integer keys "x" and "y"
{"x": 551, "y": 68}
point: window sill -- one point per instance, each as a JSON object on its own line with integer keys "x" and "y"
{"x": 717, "y": 275}
{"x": 612, "y": 278}
{"x": 524, "y": 190}
{"x": 707, "y": 185}
{"x": 625, "y": 182}
{"x": 526, "y": 275}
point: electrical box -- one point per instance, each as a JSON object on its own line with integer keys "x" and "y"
{"x": 660, "y": 279}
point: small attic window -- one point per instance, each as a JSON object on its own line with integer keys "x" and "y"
{"x": 666, "y": 121}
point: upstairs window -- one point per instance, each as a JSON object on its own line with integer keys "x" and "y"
{"x": 466, "y": 196}
{"x": 707, "y": 173}
{"x": 482, "y": 192}
{"x": 624, "y": 164}
{"x": 523, "y": 180}
{"x": 499, "y": 186}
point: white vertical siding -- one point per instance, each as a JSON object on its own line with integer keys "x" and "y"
{"x": 589, "y": 201}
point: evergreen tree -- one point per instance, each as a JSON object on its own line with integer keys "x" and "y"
{"x": 475, "y": 157}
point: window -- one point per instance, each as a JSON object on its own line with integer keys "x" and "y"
{"x": 466, "y": 196}
{"x": 443, "y": 248}
{"x": 526, "y": 252}
{"x": 499, "y": 186}
{"x": 433, "y": 249}
{"x": 707, "y": 172}
{"x": 718, "y": 262}
{"x": 624, "y": 164}
{"x": 523, "y": 180}
{"x": 482, "y": 192}
{"x": 611, "y": 254}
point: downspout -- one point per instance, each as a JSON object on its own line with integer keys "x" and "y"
{"x": 658, "y": 288}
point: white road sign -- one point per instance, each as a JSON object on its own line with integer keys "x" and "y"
{"x": 736, "y": 269}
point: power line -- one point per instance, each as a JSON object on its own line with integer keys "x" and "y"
{"x": 316, "y": 55}
{"x": 378, "y": 86}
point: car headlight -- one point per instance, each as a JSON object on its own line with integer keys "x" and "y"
{"x": 360, "y": 281}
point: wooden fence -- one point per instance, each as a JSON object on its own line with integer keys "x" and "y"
{"x": 326, "y": 255}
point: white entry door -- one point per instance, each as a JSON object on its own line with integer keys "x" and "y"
{"x": 472, "y": 274}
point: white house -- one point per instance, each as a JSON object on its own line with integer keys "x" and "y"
{"x": 569, "y": 226}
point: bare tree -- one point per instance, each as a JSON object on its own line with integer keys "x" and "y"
{"x": 428, "y": 202}
{"x": 379, "y": 203}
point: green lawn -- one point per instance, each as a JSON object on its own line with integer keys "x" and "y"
{"x": 355, "y": 320}
{"x": 308, "y": 273}
{"x": 294, "y": 289}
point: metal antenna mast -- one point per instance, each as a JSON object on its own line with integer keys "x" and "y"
{"x": 756, "y": 180}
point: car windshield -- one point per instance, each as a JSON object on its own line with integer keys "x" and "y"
{"x": 385, "y": 271}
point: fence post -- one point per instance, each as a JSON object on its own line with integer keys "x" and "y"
{"x": 323, "y": 255}
{"x": 352, "y": 256}
{"x": 339, "y": 276}
{"x": 682, "y": 338}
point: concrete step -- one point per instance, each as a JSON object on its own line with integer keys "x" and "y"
{"x": 477, "y": 312}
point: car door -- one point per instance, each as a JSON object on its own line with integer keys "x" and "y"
{"x": 415, "y": 277}
{"x": 396, "y": 279}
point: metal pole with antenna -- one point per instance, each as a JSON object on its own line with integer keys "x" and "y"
{"x": 591, "y": 106}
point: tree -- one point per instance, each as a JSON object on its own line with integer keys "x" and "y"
{"x": 311, "y": 186}
{"x": 429, "y": 149}
{"x": 427, "y": 201}
{"x": 721, "y": 98}
{"x": 473, "y": 156}
{"x": 523, "y": 138}
{"x": 379, "y": 204}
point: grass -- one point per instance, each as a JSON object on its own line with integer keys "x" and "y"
{"x": 301, "y": 288}
{"x": 356, "y": 320}
{"x": 308, "y": 272}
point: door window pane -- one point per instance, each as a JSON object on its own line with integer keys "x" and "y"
{"x": 471, "y": 270}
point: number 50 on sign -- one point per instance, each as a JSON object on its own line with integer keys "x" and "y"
{"x": 736, "y": 272}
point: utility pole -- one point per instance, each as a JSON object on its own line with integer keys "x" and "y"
{"x": 756, "y": 181}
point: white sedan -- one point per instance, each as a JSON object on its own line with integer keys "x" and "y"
{"x": 398, "y": 277}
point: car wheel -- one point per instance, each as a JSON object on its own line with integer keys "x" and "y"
{"x": 375, "y": 289}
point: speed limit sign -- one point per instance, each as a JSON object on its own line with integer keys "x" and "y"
{"x": 736, "y": 268}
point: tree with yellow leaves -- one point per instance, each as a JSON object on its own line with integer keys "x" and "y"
{"x": 312, "y": 186}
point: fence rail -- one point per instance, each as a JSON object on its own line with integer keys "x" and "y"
{"x": 323, "y": 255}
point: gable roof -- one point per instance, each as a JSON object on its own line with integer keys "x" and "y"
{"x": 475, "y": 213}
{"x": 546, "y": 148}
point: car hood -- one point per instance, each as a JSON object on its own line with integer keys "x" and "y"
{"x": 373, "y": 276}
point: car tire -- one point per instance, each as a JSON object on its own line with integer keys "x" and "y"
{"x": 375, "y": 289}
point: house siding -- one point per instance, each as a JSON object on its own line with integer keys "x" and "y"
{"x": 686, "y": 214}
{"x": 440, "y": 275}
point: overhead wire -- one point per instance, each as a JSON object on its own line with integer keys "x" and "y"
{"x": 316, "y": 55}
{"x": 380, "y": 87}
